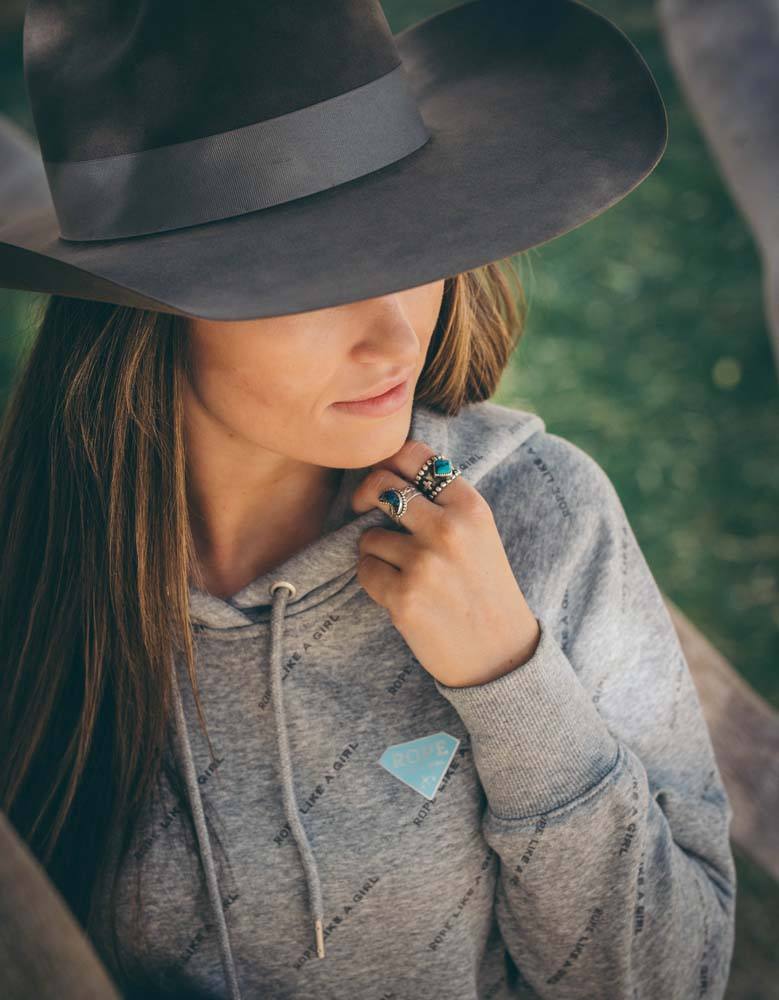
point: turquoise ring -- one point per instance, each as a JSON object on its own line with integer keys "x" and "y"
{"x": 435, "y": 474}
{"x": 396, "y": 501}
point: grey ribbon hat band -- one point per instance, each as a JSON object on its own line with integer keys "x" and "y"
{"x": 241, "y": 170}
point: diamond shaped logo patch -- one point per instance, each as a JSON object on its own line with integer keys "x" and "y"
{"x": 421, "y": 763}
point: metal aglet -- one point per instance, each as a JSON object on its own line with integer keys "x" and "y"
{"x": 320, "y": 941}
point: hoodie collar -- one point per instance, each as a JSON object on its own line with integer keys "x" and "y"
{"x": 327, "y": 562}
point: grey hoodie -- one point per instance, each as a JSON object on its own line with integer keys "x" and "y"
{"x": 561, "y": 831}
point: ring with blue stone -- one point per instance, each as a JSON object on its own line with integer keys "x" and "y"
{"x": 396, "y": 501}
{"x": 435, "y": 474}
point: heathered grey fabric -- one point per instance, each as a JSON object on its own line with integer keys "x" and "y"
{"x": 577, "y": 844}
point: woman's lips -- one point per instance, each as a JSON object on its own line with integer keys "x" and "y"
{"x": 378, "y": 406}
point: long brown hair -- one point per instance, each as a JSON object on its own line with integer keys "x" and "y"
{"x": 97, "y": 556}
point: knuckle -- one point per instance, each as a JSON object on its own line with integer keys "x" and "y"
{"x": 450, "y": 531}
{"x": 419, "y": 452}
{"x": 378, "y": 481}
{"x": 475, "y": 505}
{"x": 410, "y": 600}
{"x": 424, "y": 569}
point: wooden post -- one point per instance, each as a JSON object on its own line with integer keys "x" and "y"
{"x": 745, "y": 733}
{"x": 11, "y": 14}
{"x": 44, "y": 953}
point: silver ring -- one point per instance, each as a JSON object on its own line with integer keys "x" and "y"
{"x": 436, "y": 473}
{"x": 395, "y": 502}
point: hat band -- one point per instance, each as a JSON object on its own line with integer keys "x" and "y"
{"x": 241, "y": 170}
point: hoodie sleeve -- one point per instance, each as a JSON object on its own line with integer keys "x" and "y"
{"x": 605, "y": 805}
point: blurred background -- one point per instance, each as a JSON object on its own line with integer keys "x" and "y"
{"x": 647, "y": 344}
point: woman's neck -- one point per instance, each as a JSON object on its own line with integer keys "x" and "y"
{"x": 262, "y": 534}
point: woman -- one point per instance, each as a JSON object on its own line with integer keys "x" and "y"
{"x": 311, "y": 699}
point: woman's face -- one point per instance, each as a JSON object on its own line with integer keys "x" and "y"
{"x": 272, "y": 382}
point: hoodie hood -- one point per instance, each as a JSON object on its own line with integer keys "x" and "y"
{"x": 476, "y": 440}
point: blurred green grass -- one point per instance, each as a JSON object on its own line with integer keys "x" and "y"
{"x": 646, "y": 345}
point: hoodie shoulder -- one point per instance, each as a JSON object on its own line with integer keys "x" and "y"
{"x": 480, "y": 437}
{"x": 562, "y": 526}
{"x": 515, "y": 453}
{"x": 566, "y": 473}
{"x": 550, "y": 495}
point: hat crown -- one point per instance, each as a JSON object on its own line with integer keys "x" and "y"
{"x": 108, "y": 77}
{"x": 157, "y": 116}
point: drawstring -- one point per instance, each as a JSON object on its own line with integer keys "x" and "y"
{"x": 196, "y": 803}
{"x": 184, "y": 756}
{"x": 287, "y": 785}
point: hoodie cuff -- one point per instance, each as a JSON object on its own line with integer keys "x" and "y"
{"x": 538, "y": 741}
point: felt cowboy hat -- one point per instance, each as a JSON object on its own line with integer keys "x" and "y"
{"x": 257, "y": 159}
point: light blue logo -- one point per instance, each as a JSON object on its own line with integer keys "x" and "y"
{"x": 422, "y": 763}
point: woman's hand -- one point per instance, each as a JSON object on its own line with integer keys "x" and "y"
{"x": 446, "y": 582}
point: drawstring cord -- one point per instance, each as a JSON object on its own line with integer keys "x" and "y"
{"x": 285, "y": 764}
{"x": 184, "y": 754}
{"x": 186, "y": 759}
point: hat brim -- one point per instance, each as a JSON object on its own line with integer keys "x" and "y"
{"x": 542, "y": 116}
